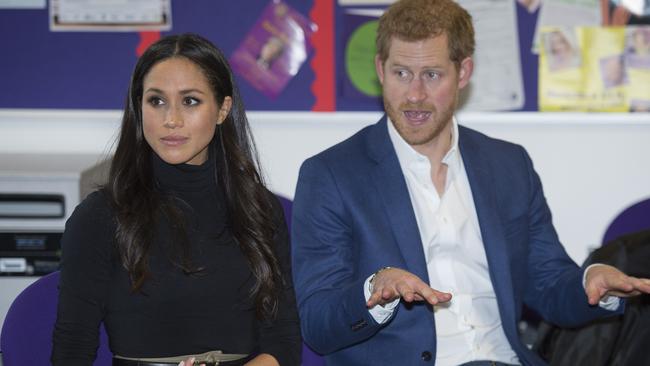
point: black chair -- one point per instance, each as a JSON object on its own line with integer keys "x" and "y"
{"x": 620, "y": 340}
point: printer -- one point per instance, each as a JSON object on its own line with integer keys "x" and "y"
{"x": 38, "y": 192}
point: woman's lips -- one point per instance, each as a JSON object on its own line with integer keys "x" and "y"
{"x": 174, "y": 140}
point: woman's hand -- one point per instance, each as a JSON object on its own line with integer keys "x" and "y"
{"x": 263, "y": 359}
{"x": 189, "y": 362}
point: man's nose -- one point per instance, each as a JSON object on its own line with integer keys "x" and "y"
{"x": 416, "y": 91}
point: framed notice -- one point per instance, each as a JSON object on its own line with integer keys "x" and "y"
{"x": 110, "y": 15}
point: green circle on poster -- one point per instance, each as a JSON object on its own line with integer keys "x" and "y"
{"x": 360, "y": 59}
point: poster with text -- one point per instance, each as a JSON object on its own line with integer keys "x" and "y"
{"x": 595, "y": 69}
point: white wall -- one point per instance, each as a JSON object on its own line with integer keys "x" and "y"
{"x": 592, "y": 165}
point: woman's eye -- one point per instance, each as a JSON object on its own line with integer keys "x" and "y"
{"x": 155, "y": 101}
{"x": 190, "y": 101}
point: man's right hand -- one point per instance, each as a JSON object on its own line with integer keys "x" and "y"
{"x": 392, "y": 283}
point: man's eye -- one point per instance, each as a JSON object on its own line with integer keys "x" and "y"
{"x": 191, "y": 101}
{"x": 433, "y": 75}
{"x": 155, "y": 101}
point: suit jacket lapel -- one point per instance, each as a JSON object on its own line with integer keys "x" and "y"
{"x": 391, "y": 188}
{"x": 479, "y": 174}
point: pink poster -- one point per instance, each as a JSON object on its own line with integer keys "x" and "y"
{"x": 274, "y": 49}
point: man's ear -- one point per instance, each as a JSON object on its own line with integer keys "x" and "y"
{"x": 379, "y": 68}
{"x": 224, "y": 110}
{"x": 465, "y": 72}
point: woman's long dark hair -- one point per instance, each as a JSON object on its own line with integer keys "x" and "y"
{"x": 132, "y": 189}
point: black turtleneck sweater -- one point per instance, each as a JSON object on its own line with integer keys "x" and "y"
{"x": 174, "y": 313}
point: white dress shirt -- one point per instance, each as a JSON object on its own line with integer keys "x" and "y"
{"x": 468, "y": 327}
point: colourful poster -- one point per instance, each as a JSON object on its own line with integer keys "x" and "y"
{"x": 595, "y": 69}
{"x": 274, "y": 49}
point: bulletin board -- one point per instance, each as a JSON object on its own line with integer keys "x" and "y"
{"x": 41, "y": 69}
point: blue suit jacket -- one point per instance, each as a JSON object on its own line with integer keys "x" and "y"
{"x": 352, "y": 215}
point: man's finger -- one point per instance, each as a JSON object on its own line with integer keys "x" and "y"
{"x": 443, "y": 296}
{"x": 432, "y": 296}
{"x": 593, "y": 295}
{"x": 388, "y": 294}
{"x": 624, "y": 294}
{"x": 374, "y": 299}
{"x": 642, "y": 284}
{"x": 620, "y": 283}
{"x": 405, "y": 291}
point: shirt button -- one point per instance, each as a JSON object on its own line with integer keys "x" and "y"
{"x": 426, "y": 356}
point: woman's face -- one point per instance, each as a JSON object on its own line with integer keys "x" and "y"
{"x": 559, "y": 44}
{"x": 179, "y": 111}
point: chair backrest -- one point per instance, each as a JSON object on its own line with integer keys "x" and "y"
{"x": 309, "y": 357}
{"x": 26, "y": 337}
{"x": 633, "y": 219}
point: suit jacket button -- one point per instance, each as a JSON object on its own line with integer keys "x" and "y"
{"x": 426, "y": 356}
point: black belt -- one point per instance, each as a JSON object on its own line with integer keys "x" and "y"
{"x": 123, "y": 362}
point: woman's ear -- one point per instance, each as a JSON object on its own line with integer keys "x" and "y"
{"x": 224, "y": 110}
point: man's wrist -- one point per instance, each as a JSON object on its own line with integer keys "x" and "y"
{"x": 609, "y": 302}
{"x": 381, "y": 313}
{"x": 374, "y": 275}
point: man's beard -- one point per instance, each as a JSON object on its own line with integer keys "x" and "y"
{"x": 434, "y": 126}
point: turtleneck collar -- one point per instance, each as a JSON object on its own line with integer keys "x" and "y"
{"x": 184, "y": 177}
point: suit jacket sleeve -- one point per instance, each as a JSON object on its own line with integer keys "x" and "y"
{"x": 328, "y": 288}
{"x": 555, "y": 282}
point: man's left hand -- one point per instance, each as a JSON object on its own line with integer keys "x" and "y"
{"x": 604, "y": 280}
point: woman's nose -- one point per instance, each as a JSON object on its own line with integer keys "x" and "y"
{"x": 173, "y": 118}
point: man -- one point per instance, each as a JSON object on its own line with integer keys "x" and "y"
{"x": 417, "y": 241}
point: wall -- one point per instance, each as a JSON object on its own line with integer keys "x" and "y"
{"x": 592, "y": 165}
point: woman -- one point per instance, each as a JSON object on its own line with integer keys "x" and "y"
{"x": 183, "y": 251}
{"x": 561, "y": 52}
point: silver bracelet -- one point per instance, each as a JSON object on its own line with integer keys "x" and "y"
{"x": 372, "y": 278}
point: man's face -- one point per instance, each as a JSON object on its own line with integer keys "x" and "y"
{"x": 420, "y": 88}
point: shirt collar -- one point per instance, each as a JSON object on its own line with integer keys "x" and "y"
{"x": 407, "y": 155}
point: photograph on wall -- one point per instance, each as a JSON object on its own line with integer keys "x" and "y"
{"x": 601, "y": 69}
{"x": 561, "y": 49}
{"x": 625, "y": 12}
{"x": 566, "y": 13}
{"x": 637, "y": 65}
{"x": 110, "y": 15}
{"x": 274, "y": 49}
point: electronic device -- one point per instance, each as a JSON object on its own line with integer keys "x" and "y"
{"x": 38, "y": 193}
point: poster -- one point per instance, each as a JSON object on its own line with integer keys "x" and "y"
{"x": 496, "y": 82}
{"x": 566, "y": 13}
{"x": 595, "y": 69}
{"x": 274, "y": 49}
